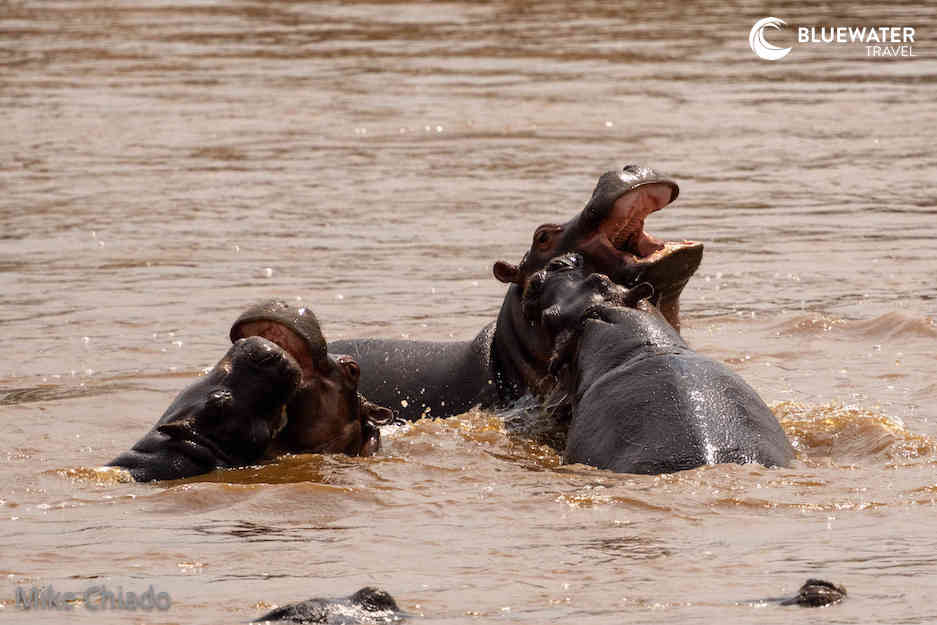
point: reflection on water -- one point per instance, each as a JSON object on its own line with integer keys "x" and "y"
{"x": 164, "y": 164}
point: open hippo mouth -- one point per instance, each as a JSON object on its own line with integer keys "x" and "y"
{"x": 295, "y": 330}
{"x": 290, "y": 342}
{"x": 620, "y": 246}
{"x": 624, "y": 226}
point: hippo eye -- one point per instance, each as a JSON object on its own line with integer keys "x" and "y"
{"x": 351, "y": 367}
{"x": 544, "y": 235}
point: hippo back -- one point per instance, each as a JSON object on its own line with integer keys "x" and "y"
{"x": 671, "y": 409}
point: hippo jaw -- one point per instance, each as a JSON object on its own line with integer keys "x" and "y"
{"x": 609, "y": 233}
{"x": 621, "y": 248}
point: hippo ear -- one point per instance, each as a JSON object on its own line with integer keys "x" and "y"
{"x": 372, "y": 412}
{"x": 506, "y": 272}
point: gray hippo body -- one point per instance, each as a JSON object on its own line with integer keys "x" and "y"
{"x": 509, "y": 356}
{"x": 643, "y": 401}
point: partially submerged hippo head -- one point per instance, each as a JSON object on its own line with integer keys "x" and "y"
{"x": 564, "y": 294}
{"x": 226, "y": 418}
{"x": 326, "y": 414}
{"x": 609, "y": 233}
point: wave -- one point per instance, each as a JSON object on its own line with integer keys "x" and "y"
{"x": 848, "y": 435}
{"x": 890, "y": 326}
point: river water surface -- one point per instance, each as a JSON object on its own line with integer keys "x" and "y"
{"x": 164, "y": 164}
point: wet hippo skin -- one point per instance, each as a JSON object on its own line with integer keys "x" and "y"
{"x": 642, "y": 400}
{"x": 368, "y": 605}
{"x": 276, "y": 391}
{"x": 227, "y": 418}
{"x": 509, "y": 356}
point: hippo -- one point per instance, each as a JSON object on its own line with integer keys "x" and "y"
{"x": 368, "y": 605}
{"x": 509, "y": 356}
{"x": 815, "y": 593}
{"x": 276, "y": 391}
{"x": 227, "y": 418}
{"x": 642, "y": 400}
{"x": 327, "y": 414}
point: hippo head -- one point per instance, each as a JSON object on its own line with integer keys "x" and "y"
{"x": 609, "y": 234}
{"x": 327, "y": 414}
{"x": 227, "y": 418}
{"x": 562, "y": 296}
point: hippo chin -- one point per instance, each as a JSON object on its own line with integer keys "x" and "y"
{"x": 509, "y": 357}
{"x": 326, "y": 414}
{"x": 227, "y": 418}
{"x": 643, "y": 401}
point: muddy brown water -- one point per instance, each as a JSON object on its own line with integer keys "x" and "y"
{"x": 164, "y": 164}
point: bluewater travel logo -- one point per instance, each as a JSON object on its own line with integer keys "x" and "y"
{"x": 878, "y": 41}
{"x": 761, "y": 46}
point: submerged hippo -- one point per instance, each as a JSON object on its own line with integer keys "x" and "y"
{"x": 815, "y": 593}
{"x": 642, "y": 400}
{"x": 509, "y": 356}
{"x": 276, "y": 391}
{"x": 227, "y": 418}
{"x": 368, "y": 605}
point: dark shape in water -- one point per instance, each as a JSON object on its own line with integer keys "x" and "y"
{"x": 816, "y": 593}
{"x": 368, "y": 605}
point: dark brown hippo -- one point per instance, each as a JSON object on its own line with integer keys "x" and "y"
{"x": 276, "y": 391}
{"x": 509, "y": 356}
{"x": 642, "y": 400}
{"x": 227, "y": 418}
{"x": 326, "y": 414}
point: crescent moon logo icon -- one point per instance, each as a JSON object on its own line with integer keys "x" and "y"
{"x": 758, "y": 43}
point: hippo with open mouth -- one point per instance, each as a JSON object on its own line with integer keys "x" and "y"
{"x": 276, "y": 391}
{"x": 327, "y": 414}
{"x": 509, "y": 356}
{"x": 642, "y": 400}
